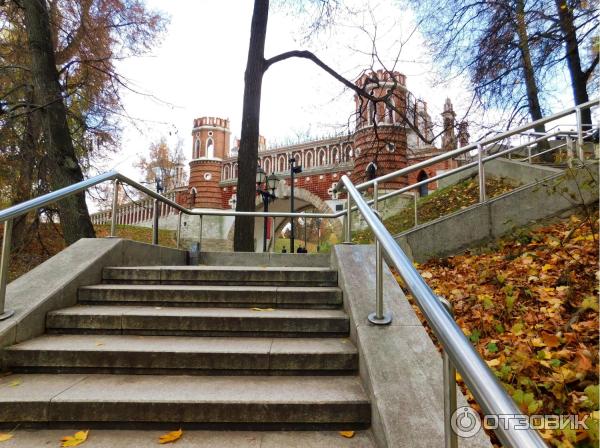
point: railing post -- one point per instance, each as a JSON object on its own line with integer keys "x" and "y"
{"x": 348, "y": 229}
{"x": 529, "y": 154}
{"x": 179, "y": 230}
{"x": 416, "y": 211}
{"x": 273, "y": 237}
{"x": 481, "y": 172}
{"x": 379, "y": 317}
{"x": 115, "y": 204}
{"x": 570, "y": 155}
{"x": 579, "y": 133}
{"x": 4, "y": 262}
{"x": 450, "y": 437}
{"x": 200, "y": 237}
{"x": 155, "y": 212}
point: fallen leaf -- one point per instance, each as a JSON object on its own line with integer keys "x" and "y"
{"x": 262, "y": 309}
{"x": 5, "y": 436}
{"x": 170, "y": 437}
{"x": 551, "y": 340}
{"x": 99, "y": 343}
{"x": 493, "y": 362}
{"x": 74, "y": 440}
{"x": 426, "y": 274}
{"x": 15, "y": 383}
{"x": 347, "y": 434}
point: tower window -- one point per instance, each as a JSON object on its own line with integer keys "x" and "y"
{"x": 210, "y": 148}
{"x": 197, "y": 149}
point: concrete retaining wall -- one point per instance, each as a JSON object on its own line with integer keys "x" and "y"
{"x": 399, "y": 364}
{"x": 561, "y": 193}
{"x": 518, "y": 172}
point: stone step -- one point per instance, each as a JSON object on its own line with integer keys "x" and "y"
{"x": 216, "y": 296}
{"x": 149, "y": 320}
{"x": 251, "y": 401}
{"x": 228, "y": 275}
{"x": 181, "y": 355}
{"x": 144, "y": 438}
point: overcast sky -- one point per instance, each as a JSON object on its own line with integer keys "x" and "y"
{"x": 198, "y": 71}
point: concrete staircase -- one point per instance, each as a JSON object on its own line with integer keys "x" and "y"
{"x": 234, "y": 347}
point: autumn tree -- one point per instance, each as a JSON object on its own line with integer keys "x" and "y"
{"x": 256, "y": 67}
{"x": 169, "y": 161}
{"x": 86, "y": 37}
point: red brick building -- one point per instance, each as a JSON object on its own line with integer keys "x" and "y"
{"x": 381, "y": 137}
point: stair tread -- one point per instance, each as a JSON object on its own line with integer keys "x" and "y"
{"x": 181, "y": 388}
{"x": 226, "y": 268}
{"x": 130, "y": 310}
{"x": 128, "y": 287}
{"x": 185, "y": 344}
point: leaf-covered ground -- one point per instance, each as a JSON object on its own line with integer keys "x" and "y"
{"x": 439, "y": 203}
{"x": 48, "y": 241}
{"x": 529, "y": 304}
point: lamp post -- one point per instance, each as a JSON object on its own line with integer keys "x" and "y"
{"x": 267, "y": 194}
{"x": 294, "y": 169}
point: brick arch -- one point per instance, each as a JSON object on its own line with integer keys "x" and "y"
{"x": 306, "y": 196}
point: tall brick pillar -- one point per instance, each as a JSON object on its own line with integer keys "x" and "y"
{"x": 380, "y": 136}
{"x": 210, "y": 145}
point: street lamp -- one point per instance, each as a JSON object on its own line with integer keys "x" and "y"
{"x": 294, "y": 169}
{"x": 267, "y": 194}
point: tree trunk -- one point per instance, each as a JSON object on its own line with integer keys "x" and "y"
{"x": 578, "y": 77}
{"x": 64, "y": 166}
{"x": 533, "y": 101}
{"x": 248, "y": 152}
{"x": 24, "y": 179}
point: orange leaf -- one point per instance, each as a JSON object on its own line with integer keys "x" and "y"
{"x": 74, "y": 440}
{"x": 551, "y": 340}
{"x": 5, "y": 436}
{"x": 170, "y": 437}
{"x": 583, "y": 362}
{"x": 347, "y": 434}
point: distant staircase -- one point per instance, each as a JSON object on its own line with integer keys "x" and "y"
{"x": 201, "y": 346}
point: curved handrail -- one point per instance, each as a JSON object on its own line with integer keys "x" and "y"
{"x": 49, "y": 198}
{"x": 465, "y": 149}
{"x": 481, "y": 381}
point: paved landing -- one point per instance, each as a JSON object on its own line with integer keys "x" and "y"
{"x": 27, "y": 438}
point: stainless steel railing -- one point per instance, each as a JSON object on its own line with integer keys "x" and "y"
{"x": 459, "y": 352}
{"x": 481, "y": 381}
{"x": 9, "y": 214}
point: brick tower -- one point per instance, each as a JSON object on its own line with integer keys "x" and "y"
{"x": 210, "y": 140}
{"x": 380, "y": 136}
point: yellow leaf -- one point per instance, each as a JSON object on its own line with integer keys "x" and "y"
{"x": 15, "y": 383}
{"x": 547, "y": 267}
{"x": 493, "y": 362}
{"x": 427, "y": 274}
{"x": 347, "y": 434}
{"x": 262, "y": 309}
{"x": 170, "y": 437}
{"x": 74, "y": 440}
{"x": 458, "y": 377}
{"x": 5, "y": 436}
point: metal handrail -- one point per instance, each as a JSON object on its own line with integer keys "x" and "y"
{"x": 465, "y": 149}
{"x": 9, "y": 214}
{"x": 478, "y": 377}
